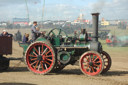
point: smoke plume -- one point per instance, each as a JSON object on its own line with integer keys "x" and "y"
{"x": 98, "y": 6}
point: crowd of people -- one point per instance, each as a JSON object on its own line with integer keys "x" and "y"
{"x": 35, "y": 31}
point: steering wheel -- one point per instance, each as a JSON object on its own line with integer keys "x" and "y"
{"x": 57, "y": 33}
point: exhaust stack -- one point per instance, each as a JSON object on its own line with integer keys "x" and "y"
{"x": 95, "y": 17}
{"x": 95, "y": 45}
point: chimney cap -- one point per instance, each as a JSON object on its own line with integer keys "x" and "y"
{"x": 95, "y": 13}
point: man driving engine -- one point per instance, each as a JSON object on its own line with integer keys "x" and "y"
{"x": 35, "y": 31}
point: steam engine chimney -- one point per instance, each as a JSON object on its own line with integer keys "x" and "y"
{"x": 95, "y": 17}
{"x": 95, "y": 45}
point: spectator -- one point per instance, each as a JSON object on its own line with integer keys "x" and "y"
{"x": 5, "y": 33}
{"x": 26, "y": 38}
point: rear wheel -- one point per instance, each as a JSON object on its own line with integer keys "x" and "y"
{"x": 40, "y": 57}
{"x": 91, "y": 63}
{"x": 107, "y": 61}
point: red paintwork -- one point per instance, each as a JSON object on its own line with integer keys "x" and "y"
{"x": 43, "y": 62}
{"x": 108, "y": 40}
{"x": 95, "y": 69}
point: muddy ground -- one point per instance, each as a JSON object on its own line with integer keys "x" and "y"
{"x": 18, "y": 74}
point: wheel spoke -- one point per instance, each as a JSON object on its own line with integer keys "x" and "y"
{"x": 36, "y": 50}
{"x": 32, "y": 55}
{"x": 39, "y": 50}
{"x": 33, "y": 59}
{"x": 36, "y": 64}
{"x": 45, "y": 66}
{"x": 39, "y": 67}
{"x": 35, "y": 53}
{"x": 48, "y": 59}
{"x": 33, "y": 63}
{"x": 97, "y": 62}
{"x": 102, "y": 55}
{"x": 47, "y": 63}
{"x": 96, "y": 59}
{"x": 48, "y": 52}
{"x": 48, "y": 56}
{"x": 90, "y": 60}
{"x": 44, "y": 51}
{"x": 106, "y": 61}
{"x": 42, "y": 66}
{"x": 96, "y": 65}
{"x": 93, "y": 57}
{"x": 87, "y": 59}
{"x": 92, "y": 69}
{"x": 87, "y": 67}
{"x": 84, "y": 61}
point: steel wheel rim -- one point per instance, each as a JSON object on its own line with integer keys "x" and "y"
{"x": 90, "y": 65}
{"x": 40, "y": 60}
{"x": 107, "y": 61}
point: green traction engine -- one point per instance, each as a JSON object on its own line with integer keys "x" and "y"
{"x": 57, "y": 50}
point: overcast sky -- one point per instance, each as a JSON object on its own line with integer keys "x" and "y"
{"x": 63, "y": 9}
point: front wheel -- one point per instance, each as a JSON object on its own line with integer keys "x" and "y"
{"x": 91, "y": 63}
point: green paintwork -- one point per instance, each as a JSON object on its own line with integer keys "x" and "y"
{"x": 65, "y": 57}
{"x": 82, "y": 37}
{"x": 82, "y": 44}
{"x": 56, "y": 41}
{"x": 25, "y": 45}
{"x": 40, "y": 39}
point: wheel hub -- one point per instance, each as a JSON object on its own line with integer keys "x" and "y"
{"x": 39, "y": 57}
{"x": 91, "y": 63}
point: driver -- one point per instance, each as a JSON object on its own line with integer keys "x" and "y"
{"x": 35, "y": 31}
{"x": 83, "y": 35}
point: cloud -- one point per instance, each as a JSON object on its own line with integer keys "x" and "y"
{"x": 17, "y": 2}
{"x": 116, "y": 9}
{"x": 61, "y": 11}
{"x": 109, "y": 9}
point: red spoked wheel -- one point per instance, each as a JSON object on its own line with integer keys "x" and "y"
{"x": 40, "y": 57}
{"x": 91, "y": 63}
{"x": 107, "y": 61}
